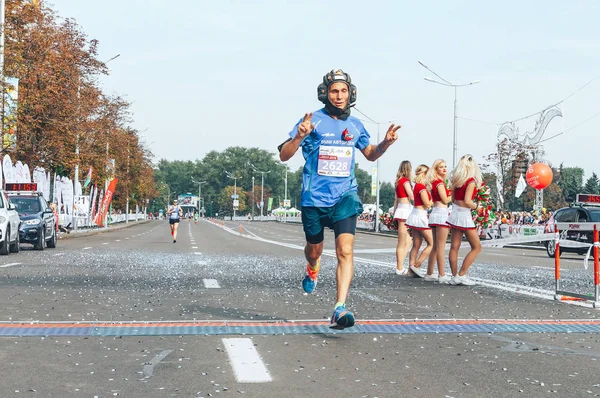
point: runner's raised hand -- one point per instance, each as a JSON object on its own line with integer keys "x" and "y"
{"x": 391, "y": 135}
{"x": 305, "y": 127}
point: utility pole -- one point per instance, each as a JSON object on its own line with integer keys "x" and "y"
{"x": 262, "y": 187}
{"x": 235, "y": 196}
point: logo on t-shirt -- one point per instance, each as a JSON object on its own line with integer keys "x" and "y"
{"x": 346, "y": 135}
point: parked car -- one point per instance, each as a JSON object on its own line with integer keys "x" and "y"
{"x": 38, "y": 224}
{"x": 9, "y": 226}
{"x": 577, "y": 213}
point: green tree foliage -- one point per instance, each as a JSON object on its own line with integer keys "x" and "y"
{"x": 387, "y": 196}
{"x": 363, "y": 178}
{"x": 225, "y": 201}
{"x": 553, "y": 198}
{"x": 592, "y": 185}
{"x": 570, "y": 180}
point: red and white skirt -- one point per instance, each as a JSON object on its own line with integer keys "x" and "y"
{"x": 402, "y": 211}
{"x": 460, "y": 218}
{"x": 438, "y": 217}
{"x": 417, "y": 219}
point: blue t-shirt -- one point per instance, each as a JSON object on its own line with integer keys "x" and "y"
{"x": 329, "y": 153}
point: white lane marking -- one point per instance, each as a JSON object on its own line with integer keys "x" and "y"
{"x": 9, "y": 265}
{"x": 105, "y": 243}
{"x": 118, "y": 240}
{"x": 198, "y": 253}
{"x": 211, "y": 283}
{"x": 87, "y": 248}
{"x": 247, "y": 365}
{"x": 149, "y": 369}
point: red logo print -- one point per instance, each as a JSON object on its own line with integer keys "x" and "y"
{"x": 347, "y": 136}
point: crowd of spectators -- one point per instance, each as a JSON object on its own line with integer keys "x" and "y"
{"x": 522, "y": 217}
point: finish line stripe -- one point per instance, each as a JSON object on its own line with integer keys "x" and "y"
{"x": 298, "y": 327}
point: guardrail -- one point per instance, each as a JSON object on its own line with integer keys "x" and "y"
{"x": 65, "y": 220}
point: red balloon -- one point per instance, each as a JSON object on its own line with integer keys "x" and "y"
{"x": 539, "y": 175}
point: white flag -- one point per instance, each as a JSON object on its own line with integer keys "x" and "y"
{"x": 521, "y": 185}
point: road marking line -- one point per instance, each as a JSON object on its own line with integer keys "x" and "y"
{"x": 194, "y": 247}
{"x": 86, "y": 248}
{"x": 105, "y": 243}
{"x": 118, "y": 240}
{"x": 198, "y": 253}
{"x": 9, "y": 265}
{"x": 247, "y": 365}
{"x": 211, "y": 283}
{"x": 149, "y": 369}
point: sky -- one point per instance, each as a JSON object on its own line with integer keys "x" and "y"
{"x": 207, "y": 75}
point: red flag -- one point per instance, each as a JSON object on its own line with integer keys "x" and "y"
{"x": 99, "y": 220}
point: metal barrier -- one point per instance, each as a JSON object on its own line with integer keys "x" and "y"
{"x": 584, "y": 227}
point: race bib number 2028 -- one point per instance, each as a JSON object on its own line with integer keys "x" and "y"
{"x": 335, "y": 161}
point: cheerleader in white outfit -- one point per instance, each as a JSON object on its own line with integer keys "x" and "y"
{"x": 402, "y": 208}
{"x": 466, "y": 177}
{"x": 440, "y": 195}
{"x": 418, "y": 223}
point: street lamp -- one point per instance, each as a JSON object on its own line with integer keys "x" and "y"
{"x": 235, "y": 196}
{"x": 377, "y": 174}
{"x": 262, "y": 187}
{"x": 445, "y": 82}
{"x": 200, "y": 203}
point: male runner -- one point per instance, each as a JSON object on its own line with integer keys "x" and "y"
{"x": 329, "y": 189}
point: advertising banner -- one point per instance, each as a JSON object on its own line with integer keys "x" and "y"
{"x": 102, "y": 211}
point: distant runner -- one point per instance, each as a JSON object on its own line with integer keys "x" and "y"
{"x": 174, "y": 213}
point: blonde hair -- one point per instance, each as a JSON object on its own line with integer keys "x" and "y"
{"x": 421, "y": 174}
{"x": 432, "y": 174}
{"x": 404, "y": 170}
{"x": 465, "y": 168}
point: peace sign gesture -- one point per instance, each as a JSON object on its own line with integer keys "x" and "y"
{"x": 391, "y": 136}
{"x": 306, "y": 126}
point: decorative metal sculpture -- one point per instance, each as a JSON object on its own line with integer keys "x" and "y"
{"x": 510, "y": 130}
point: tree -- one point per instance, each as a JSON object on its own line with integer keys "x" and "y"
{"x": 226, "y": 201}
{"x": 363, "y": 179}
{"x": 553, "y": 198}
{"x": 570, "y": 180}
{"x": 592, "y": 185}
{"x": 508, "y": 162}
{"x": 387, "y": 196}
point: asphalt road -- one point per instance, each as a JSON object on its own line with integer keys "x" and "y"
{"x": 243, "y": 274}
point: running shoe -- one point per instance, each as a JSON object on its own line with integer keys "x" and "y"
{"x": 310, "y": 279}
{"x": 417, "y": 271}
{"x": 461, "y": 280}
{"x": 430, "y": 278}
{"x": 402, "y": 271}
{"x": 444, "y": 280}
{"x": 341, "y": 319}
